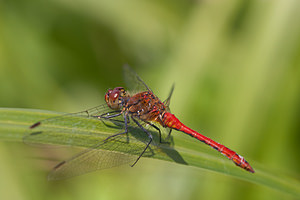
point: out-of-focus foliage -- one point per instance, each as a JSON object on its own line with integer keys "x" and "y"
{"x": 235, "y": 65}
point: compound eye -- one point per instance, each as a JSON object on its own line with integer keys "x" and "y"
{"x": 112, "y": 98}
{"x": 107, "y": 95}
{"x": 114, "y": 95}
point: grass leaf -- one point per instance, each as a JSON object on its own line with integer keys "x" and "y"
{"x": 14, "y": 124}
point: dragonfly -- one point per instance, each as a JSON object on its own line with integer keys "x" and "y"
{"x": 141, "y": 110}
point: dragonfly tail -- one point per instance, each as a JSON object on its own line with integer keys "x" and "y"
{"x": 169, "y": 120}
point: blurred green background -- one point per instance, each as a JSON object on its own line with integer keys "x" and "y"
{"x": 236, "y": 66}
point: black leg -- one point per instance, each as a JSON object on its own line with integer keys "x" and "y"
{"x": 149, "y": 136}
{"x": 126, "y": 128}
{"x": 168, "y": 137}
{"x": 149, "y": 123}
{"x": 108, "y": 116}
{"x": 158, "y": 129}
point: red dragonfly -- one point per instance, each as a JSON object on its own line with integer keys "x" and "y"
{"x": 142, "y": 109}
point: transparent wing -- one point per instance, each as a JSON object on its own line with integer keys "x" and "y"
{"x": 101, "y": 153}
{"x": 105, "y": 154}
{"x": 167, "y": 131}
{"x": 72, "y": 124}
{"x": 133, "y": 81}
{"x": 168, "y": 100}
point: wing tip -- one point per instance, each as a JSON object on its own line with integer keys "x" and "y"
{"x": 35, "y": 125}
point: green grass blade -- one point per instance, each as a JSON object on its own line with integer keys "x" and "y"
{"x": 14, "y": 123}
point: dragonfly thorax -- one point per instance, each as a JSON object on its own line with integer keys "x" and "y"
{"x": 145, "y": 106}
{"x": 116, "y": 98}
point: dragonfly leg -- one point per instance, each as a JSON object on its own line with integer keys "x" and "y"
{"x": 168, "y": 137}
{"x": 126, "y": 127}
{"x": 149, "y": 136}
{"x": 108, "y": 116}
{"x": 158, "y": 129}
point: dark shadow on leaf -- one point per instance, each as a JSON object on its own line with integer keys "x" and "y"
{"x": 165, "y": 150}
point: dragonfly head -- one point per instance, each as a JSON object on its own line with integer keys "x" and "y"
{"x": 115, "y": 98}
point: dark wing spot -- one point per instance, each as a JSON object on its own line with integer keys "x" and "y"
{"x": 35, "y": 125}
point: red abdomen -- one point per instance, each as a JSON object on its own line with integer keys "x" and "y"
{"x": 169, "y": 120}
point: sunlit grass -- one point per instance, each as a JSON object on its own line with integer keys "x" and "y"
{"x": 14, "y": 125}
